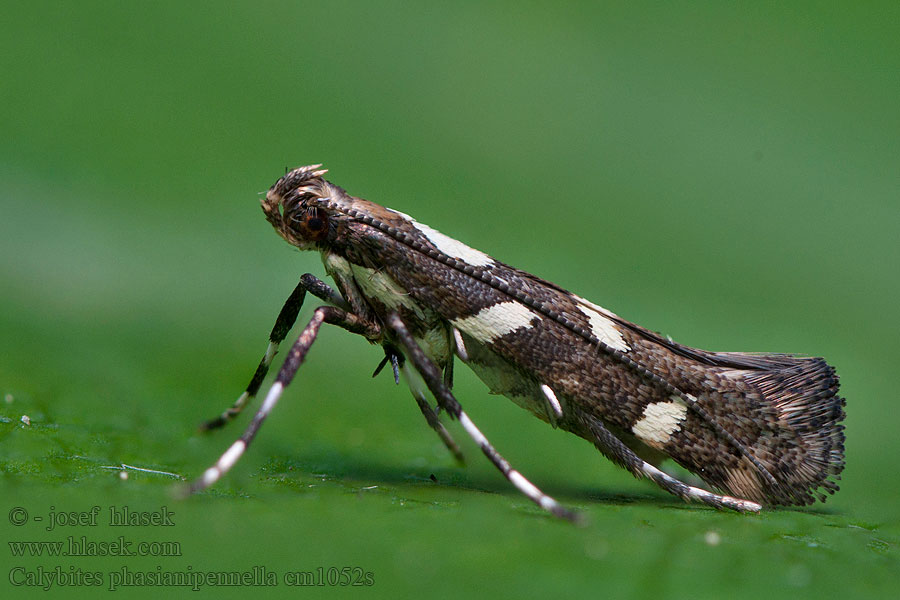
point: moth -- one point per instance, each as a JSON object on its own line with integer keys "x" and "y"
{"x": 762, "y": 429}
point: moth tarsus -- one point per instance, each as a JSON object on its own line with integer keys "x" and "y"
{"x": 763, "y": 428}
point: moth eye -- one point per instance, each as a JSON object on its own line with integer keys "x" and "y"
{"x": 314, "y": 224}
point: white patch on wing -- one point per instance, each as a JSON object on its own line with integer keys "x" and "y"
{"x": 496, "y": 321}
{"x": 659, "y": 422}
{"x": 447, "y": 244}
{"x": 601, "y": 325}
{"x": 454, "y": 248}
{"x": 379, "y": 285}
{"x": 596, "y": 307}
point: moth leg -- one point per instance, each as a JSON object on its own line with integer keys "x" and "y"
{"x": 435, "y": 423}
{"x": 432, "y": 377}
{"x": 283, "y": 324}
{"x": 392, "y": 355}
{"x": 460, "y": 346}
{"x": 551, "y": 405}
{"x": 295, "y": 357}
{"x": 323, "y": 291}
{"x": 618, "y": 452}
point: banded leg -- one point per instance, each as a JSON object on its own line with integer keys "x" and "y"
{"x": 323, "y": 314}
{"x": 283, "y": 324}
{"x": 432, "y": 377}
{"x": 618, "y": 452}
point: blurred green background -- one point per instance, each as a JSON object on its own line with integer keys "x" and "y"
{"x": 727, "y": 175}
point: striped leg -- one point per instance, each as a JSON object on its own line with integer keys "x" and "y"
{"x": 323, "y": 314}
{"x": 432, "y": 377}
{"x": 286, "y": 319}
{"x": 618, "y": 452}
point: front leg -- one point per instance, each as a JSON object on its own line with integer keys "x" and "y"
{"x": 283, "y": 324}
{"x": 323, "y": 314}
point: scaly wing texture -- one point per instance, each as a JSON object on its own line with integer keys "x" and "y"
{"x": 765, "y": 427}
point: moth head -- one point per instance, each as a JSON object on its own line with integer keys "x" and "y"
{"x": 291, "y": 206}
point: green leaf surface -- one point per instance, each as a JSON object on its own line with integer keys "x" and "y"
{"x": 726, "y": 175}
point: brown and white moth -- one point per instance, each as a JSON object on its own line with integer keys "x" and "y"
{"x": 763, "y": 428}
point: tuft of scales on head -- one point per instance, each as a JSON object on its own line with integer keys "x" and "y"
{"x": 287, "y": 202}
